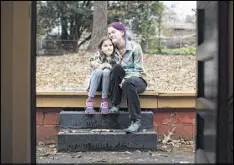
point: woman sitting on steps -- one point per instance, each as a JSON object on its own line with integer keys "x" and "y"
{"x": 127, "y": 77}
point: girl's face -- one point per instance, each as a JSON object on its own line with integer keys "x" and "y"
{"x": 107, "y": 47}
{"x": 115, "y": 35}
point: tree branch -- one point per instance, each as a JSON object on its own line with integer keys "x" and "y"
{"x": 85, "y": 40}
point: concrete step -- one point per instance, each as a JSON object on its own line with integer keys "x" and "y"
{"x": 102, "y": 140}
{"x": 80, "y": 120}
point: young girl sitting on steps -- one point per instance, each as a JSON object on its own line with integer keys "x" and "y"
{"x": 101, "y": 63}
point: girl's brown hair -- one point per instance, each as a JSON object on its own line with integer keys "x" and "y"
{"x": 99, "y": 46}
{"x": 101, "y": 42}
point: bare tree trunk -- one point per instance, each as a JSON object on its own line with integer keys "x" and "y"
{"x": 99, "y": 24}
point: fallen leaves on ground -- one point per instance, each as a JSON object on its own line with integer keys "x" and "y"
{"x": 47, "y": 154}
{"x": 173, "y": 145}
{"x": 101, "y": 130}
{"x": 168, "y": 144}
{"x": 164, "y": 72}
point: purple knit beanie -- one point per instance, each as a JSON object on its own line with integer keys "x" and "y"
{"x": 119, "y": 26}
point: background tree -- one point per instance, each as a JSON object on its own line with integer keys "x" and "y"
{"x": 74, "y": 18}
{"x": 146, "y": 20}
{"x": 142, "y": 17}
{"x": 79, "y": 19}
{"x": 41, "y": 31}
{"x": 190, "y": 19}
{"x": 99, "y": 24}
{"x": 159, "y": 12}
{"x": 170, "y": 17}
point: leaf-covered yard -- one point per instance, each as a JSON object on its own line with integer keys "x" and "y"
{"x": 164, "y": 72}
{"x": 179, "y": 151}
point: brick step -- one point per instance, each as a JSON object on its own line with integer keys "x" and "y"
{"x": 80, "y": 120}
{"x": 116, "y": 140}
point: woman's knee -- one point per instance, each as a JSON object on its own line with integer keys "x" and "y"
{"x": 117, "y": 67}
{"x": 127, "y": 83}
{"x": 118, "y": 70}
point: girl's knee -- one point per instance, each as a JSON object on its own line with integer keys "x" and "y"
{"x": 97, "y": 72}
{"x": 106, "y": 72}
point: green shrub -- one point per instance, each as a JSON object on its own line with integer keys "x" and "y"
{"x": 182, "y": 51}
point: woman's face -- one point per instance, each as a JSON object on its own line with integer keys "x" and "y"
{"x": 107, "y": 47}
{"x": 115, "y": 35}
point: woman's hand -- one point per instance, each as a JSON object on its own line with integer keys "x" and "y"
{"x": 105, "y": 65}
{"x": 121, "y": 83}
{"x": 101, "y": 66}
{"x": 95, "y": 64}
